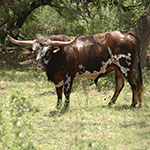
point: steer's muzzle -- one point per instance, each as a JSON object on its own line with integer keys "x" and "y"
{"x": 40, "y": 68}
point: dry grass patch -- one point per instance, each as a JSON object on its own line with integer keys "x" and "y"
{"x": 89, "y": 123}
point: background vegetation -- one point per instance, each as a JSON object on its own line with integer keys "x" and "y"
{"x": 28, "y": 19}
{"x": 27, "y": 98}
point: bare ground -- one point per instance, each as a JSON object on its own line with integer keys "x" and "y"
{"x": 15, "y": 57}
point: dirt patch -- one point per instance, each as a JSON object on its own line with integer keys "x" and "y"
{"x": 15, "y": 57}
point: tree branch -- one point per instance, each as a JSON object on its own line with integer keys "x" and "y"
{"x": 27, "y": 11}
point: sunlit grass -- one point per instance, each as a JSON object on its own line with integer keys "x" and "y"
{"x": 89, "y": 123}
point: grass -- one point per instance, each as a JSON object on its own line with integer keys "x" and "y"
{"x": 89, "y": 124}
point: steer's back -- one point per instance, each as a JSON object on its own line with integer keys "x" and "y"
{"x": 95, "y": 54}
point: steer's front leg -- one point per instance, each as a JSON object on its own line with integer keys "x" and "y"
{"x": 67, "y": 89}
{"x": 59, "y": 97}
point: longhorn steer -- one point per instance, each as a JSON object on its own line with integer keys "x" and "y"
{"x": 92, "y": 56}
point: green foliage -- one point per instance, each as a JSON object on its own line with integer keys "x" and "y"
{"x": 106, "y": 83}
{"x": 68, "y": 17}
{"x": 72, "y": 18}
{"x": 23, "y": 74}
{"x": 47, "y": 23}
{"x": 81, "y": 144}
{"x": 17, "y": 123}
{"x": 20, "y": 105}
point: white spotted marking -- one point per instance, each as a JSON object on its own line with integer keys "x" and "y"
{"x": 80, "y": 66}
{"x": 105, "y": 65}
{"x": 48, "y": 41}
{"x": 38, "y": 57}
{"x": 35, "y": 45}
{"x": 80, "y": 44}
{"x": 46, "y": 61}
{"x": 68, "y": 82}
{"x": 120, "y": 34}
{"x": 129, "y": 37}
{"x": 114, "y": 59}
{"x": 61, "y": 83}
{"x": 45, "y": 49}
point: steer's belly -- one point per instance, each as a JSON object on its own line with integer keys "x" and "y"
{"x": 87, "y": 74}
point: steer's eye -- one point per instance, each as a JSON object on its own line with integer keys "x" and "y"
{"x": 48, "y": 54}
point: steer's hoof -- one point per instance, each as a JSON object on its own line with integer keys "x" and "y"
{"x": 110, "y": 104}
{"x": 65, "y": 108}
{"x": 133, "y": 106}
{"x": 140, "y": 105}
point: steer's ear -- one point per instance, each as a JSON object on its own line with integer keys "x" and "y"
{"x": 56, "y": 49}
{"x": 28, "y": 49}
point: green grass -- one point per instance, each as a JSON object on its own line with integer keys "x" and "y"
{"x": 89, "y": 124}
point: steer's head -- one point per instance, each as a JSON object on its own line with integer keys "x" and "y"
{"x": 42, "y": 49}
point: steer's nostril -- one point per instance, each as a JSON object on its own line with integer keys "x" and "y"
{"x": 39, "y": 65}
{"x": 40, "y": 68}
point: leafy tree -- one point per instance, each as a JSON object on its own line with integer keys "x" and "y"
{"x": 14, "y": 13}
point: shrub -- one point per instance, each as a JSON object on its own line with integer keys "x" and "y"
{"x": 17, "y": 123}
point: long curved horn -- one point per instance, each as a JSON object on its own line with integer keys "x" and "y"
{"x": 18, "y": 42}
{"x": 61, "y": 43}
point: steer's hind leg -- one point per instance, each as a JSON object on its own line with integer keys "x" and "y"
{"x": 119, "y": 79}
{"x": 134, "y": 86}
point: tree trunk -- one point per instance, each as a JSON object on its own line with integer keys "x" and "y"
{"x": 142, "y": 29}
{"x": 12, "y": 25}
